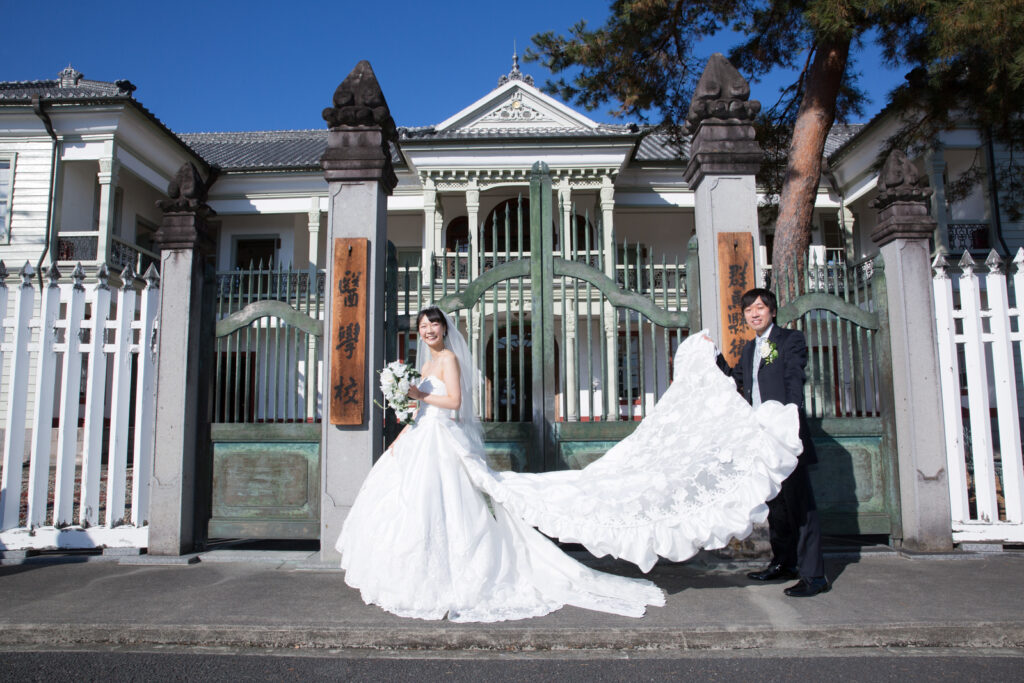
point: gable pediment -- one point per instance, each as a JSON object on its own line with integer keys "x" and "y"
{"x": 516, "y": 104}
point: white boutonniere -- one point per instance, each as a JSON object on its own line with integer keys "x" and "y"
{"x": 769, "y": 352}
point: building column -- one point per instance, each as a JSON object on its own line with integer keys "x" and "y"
{"x": 185, "y": 350}
{"x": 430, "y": 247}
{"x": 473, "y": 227}
{"x": 565, "y": 204}
{"x": 107, "y": 178}
{"x": 902, "y": 234}
{"x": 357, "y": 166}
{"x": 611, "y": 327}
{"x": 724, "y": 158}
{"x": 313, "y": 227}
{"x": 935, "y": 167}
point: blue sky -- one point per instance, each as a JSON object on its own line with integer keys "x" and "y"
{"x": 221, "y": 66}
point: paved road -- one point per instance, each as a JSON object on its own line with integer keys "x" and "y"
{"x": 876, "y": 666}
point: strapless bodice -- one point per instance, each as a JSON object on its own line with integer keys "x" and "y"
{"x": 431, "y": 384}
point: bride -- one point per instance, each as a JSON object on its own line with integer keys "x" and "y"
{"x": 435, "y": 532}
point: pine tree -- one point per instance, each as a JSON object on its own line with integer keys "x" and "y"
{"x": 964, "y": 57}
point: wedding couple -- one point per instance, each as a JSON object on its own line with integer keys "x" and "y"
{"x": 435, "y": 532}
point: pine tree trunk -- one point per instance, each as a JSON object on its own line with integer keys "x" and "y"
{"x": 803, "y": 168}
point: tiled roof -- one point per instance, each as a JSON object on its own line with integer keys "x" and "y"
{"x": 70, "y": 85}
{"x": 71, "y": 88}
{"x": 659, "y": 147}
{"x": 265, "y": 149}
{"x": 840, "y": 134}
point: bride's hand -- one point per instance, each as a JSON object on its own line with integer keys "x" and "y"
{"x": 415, "y": 393}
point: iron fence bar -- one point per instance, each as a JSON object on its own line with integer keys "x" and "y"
{"x": 641, "y": 365}
{"x": 508, "y": 326}
{"x": 679, "y": 305}
{"x": 654, "y": 340}
{"x": 602, "y": 335}
{"x": 590, "y": 333}
{"x": 318, "y": 345}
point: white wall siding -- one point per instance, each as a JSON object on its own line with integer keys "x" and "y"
{"x": 29, "y": 200}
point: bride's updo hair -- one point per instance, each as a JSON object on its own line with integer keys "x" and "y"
{"x": 434, "y": 315}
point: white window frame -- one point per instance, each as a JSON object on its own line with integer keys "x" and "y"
{"x": 5, "y": 227}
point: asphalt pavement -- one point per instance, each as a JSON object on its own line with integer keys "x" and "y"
{"x": 288, "y": 599}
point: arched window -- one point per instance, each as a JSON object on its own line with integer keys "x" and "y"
{"x": 456, "y": 235}
{"x": 503, "y": 222}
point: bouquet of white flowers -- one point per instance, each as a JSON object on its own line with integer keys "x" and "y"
{"x": 395, "y": 380}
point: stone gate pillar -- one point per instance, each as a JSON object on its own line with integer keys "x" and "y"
{"x": 360, "y": 176}
{"x": 724, "y": 157}
{"x": 182, "y": 380}
{"x": 904, "y": 228}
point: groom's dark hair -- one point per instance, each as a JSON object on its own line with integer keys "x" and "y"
{"x": 765, "y": 295}
{"x": 434, "y": 315}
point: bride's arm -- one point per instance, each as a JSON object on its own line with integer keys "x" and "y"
{"x": 450, "y": 376}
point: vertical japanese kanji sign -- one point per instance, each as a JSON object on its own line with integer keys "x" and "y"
{"x": 735, "y": 276}
{"x": 348, "y": 330}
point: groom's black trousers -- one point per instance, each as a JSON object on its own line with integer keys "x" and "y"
{"x": 793, "y": 526}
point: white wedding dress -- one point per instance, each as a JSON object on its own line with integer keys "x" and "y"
{"x": 422, "y": 540}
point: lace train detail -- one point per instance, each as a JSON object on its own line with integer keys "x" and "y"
{"x": 696, "y": 473}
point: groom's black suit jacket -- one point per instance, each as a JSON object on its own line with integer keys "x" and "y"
{"x": 781, "y": 380}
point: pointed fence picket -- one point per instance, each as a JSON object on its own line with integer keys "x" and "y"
{"x": 980, "y": 340}
{"x": 77, "y": 326}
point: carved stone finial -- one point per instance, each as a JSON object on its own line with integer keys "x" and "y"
{"x": 721, "y": 93}
{"x": 361, "y": 132}
{"x": 899, "y": 181}
{"x": 187, "y": 192}
{"x": 359, "y": 101}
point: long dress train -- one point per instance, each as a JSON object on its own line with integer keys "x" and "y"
{"x": 423, "y": 541}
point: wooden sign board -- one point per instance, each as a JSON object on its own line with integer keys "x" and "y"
{"x": 735, "y": 276}
{"x": 349, "y": 327}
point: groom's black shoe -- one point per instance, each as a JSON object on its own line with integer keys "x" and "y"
{"x": 805, "y": 588}
{"x": 775, "y": 572}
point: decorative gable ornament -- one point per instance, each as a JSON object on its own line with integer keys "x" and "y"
{"x": 515, "y": 109}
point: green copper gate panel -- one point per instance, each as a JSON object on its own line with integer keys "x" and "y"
{"x": 853, "y": 478}
{"x": 581, "y": 443}
{"x": 266, "y": 481}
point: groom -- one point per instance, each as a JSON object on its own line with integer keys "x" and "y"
{"x": 771, "y": 368}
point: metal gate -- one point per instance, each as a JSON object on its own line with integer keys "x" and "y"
{"x": 267, "y": 407}
{"x": 848, "y": 395}
{"x": 573, "y": 334}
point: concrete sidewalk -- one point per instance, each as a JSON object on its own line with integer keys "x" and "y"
{"x": 287, "y": 599}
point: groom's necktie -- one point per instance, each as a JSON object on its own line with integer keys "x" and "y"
{"x": 755, "y": 390}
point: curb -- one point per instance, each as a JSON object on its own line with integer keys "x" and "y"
{"x": 974, "y": 635}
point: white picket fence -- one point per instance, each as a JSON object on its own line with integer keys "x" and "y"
{"x": 978, "y": 332}
{"x": 77, "y": 497}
